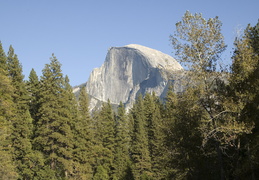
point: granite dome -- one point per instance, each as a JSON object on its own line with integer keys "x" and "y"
{"x": 128, "y": 71}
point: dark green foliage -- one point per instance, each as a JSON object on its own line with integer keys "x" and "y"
{"x": 244, "y": 88}
{"x": 156, "y": 135}
{"x": 186, "y": 140}
{"x": 22, "y": 121}
{"x": 101, "y": 173}
{"x": 139, "y": 149}
{"x": 105, "y": 139}
{"x": 33, "y": 89}
{"x": 54, "y": 137}
{"x": 107, "y": 126}
{"x": 83, "y": 152}
{"x": 7, "y": 165}
{"x": 122, "y": 144}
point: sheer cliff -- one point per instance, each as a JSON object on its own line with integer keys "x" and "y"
{"x": 129, "y": 71}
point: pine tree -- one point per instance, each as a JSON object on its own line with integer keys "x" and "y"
{"x": 84, "y": 136}
{"x": 139, "y": 149}
{"x": 37, "y": 156}
{"x": 101, "y": 173}
{"x": 7, "y": 166}
{"x": 33, "y": 89}
{"x": 71, "y": 114}
{"x": 22, "y": 124}
{"x": 156, "y": 135}
{"x": 170, "y": 120}
{"x": 107, "y": 118}
{"x": 122, "y": 138}
{"x": 54, "y": 136}
{"x": 105, "y": 138}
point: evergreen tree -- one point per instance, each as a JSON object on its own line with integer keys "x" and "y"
{"x": 170, "y": 120}
{"x": 122, "y": 138}
{"x": 71, "y": 106}
{"x": 188, "y": 158}
{"x": 7, "y": 166}
{"x": 84, "y": 136}
{"x": 244, "y": 86}
{"x": 33, "y": 89}
{"x": 22, "y": 124}
{"x": 139, "y": 149}
{"x": 54, "y": 136}
{"x": 105, "y": 139}
{"x": 156, "y": 135}
{"x": 37, "y": 157}
{"x": 101, "y": 173}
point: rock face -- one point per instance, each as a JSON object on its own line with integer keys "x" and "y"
{"x": 128, "y": 71}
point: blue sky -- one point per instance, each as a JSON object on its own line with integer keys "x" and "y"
{"x": 79, "y": 32}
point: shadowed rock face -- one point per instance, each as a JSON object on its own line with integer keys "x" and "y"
{"x": 128, "y": 71}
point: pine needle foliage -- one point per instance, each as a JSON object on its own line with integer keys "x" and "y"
{"x": 54, "y": 137}
{"x": 22, "y": 121}
{"x": 7, "y": 164}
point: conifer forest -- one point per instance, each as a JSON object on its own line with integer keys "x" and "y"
{"x": 208, "y": 131}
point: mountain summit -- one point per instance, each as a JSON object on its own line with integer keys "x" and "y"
{"x": 129, "y": 71}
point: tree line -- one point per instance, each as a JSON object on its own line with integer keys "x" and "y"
{"x": 208, "y": 131}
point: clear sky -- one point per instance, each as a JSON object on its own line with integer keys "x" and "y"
{"x": 79, "y": 32}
